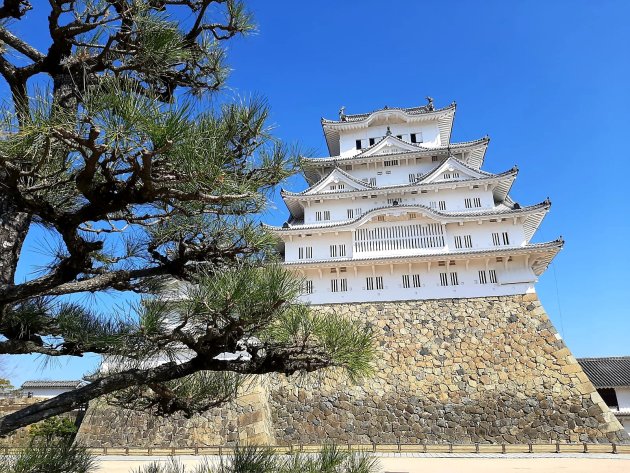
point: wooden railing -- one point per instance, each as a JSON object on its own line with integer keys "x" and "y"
{"x": 447, "y": 448}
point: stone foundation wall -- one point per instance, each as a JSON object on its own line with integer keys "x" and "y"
{"x": 246, "y": 421}
{"x": 21, "y": 437}
{"x": 489, "y": 369}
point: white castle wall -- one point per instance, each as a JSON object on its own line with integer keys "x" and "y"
{"x": 429, "y": 130}
{"x": 481, "y": 236}
{"x": 467, "y": 276}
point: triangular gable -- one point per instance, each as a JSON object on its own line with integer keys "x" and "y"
{"x": 453, "y": 170}
{"x": 389, "y": 145}
{"x": 336, "y": 177}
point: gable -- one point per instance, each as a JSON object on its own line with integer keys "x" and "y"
{"x": 389, "y": 145}
{"x": 452, "y": 170}
{"x": 337, "y": 181}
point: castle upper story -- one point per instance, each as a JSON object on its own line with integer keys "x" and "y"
{"x": 399, "y": 212}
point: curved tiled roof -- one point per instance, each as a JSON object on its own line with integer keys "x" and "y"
{"x": 51, "y": 384}
{"x": 547, "y": 252}
{"x": 424, "y": 109}
{"x": 607, "y": 372}
{"x": 419, "y": 183}
{"x": 498, "y": 211}
{"x": 421, "y": 149}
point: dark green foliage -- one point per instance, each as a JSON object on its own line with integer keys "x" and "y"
{"x": 53, "y": 429}
{"x": 143, "y": 188}
{"x": 49, "y": 456}
{"x": 262, "y": 460}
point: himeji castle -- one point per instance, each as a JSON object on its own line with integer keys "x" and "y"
{"x": 399, "y": 212}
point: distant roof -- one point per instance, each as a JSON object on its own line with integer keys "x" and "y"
{"x": 607, "y": 372}
{"x": 51, "y": 384}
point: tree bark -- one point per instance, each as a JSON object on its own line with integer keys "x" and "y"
{"x": 13, "y": 229}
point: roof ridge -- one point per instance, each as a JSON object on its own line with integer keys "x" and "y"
{"x": 417, "y": 110}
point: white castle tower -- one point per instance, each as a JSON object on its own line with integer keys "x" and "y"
{"x": 398, "y": 212}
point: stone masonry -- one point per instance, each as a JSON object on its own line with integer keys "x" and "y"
{"x": 489, "y": 369}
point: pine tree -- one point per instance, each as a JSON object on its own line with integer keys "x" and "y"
{"x": 111, "y": 149}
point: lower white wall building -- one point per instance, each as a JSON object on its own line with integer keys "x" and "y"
{"x": 611, "y": 378}
{"x": 48, "y": 389}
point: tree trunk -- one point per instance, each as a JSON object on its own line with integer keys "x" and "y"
{"x": 13, "y": 229}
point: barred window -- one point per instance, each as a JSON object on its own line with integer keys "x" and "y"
{"x": 405, "y": 281}
{"x": 308, "y": 286}
{"x": 482, "y": 277}
{"x": 493, "y": 276}
{"x": 416, "y": 280}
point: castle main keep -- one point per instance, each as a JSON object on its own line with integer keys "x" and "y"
{"x": 402, "y": 229}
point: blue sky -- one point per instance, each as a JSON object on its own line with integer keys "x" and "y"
{"x": 548, "y": 81}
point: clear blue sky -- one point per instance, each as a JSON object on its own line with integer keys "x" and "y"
{"x": 548, "y": 81}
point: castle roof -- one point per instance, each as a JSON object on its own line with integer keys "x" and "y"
{"x": 380, "y": 151}
{"x": 543, "y": 254}
{"x": 503, "y": 181}
{"x": 608, "y": 372}
{"x": 444, "y": 117}
{"x": 51, "y": 384}
{"x": 533, "y": 215}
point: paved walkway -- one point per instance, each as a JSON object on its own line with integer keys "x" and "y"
{"x": 442, "y": 463}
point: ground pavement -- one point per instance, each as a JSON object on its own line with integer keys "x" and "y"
{"x": 436, "y": 462}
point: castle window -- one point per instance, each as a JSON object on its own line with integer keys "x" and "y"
{"x": 348, "y": 167}
{"x": 372, "y": 141}
{"x": 416, "y": 280}
{"x": 468, "y": 241}
{"x": 380, "y": 218}
{"x": 463, "y": 241}
{"x": 493, "y": 276}
{"x": 399, "y": 137}
{"x": 338, "y": 285}
{"x": 305, "y": 252}
{"x": 350, "y": 213}
{"x": 393, "y": 162}
{"x": 372, "y": 181}
{"x": 358, "y": 143}
{"x": 333, "y": 251}
{"x": 412, "y": 215}
{"x": 468, "y": 203}
{"x": 458, "y": 241}
{"x": 442, "y": 204}
{"x": 447, "y": 279}
{"x": 416, "y": 137}
{"x": 369, "y": 283}
{"x": 342, "y": 250}
{"x": 333, "y": 187}
{"x": 435, "y": 158}
{"x": 447, "y": 175}
{"x": 483, "y": 279}
{"x": 500, "y": 239}
{"x": 341, "y": 186}
{"x": 455, "y": 175}
{"x": 326, "y": 214}
{"x": 405, "y": 281}
{"x": 477, "y": 202}
{"x": 308, "y": 286}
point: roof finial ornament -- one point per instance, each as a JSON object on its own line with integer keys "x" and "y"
{"x": 342, "y": 113}
{"x": 429, "y": 104}
{"x": 389, "y": 132}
